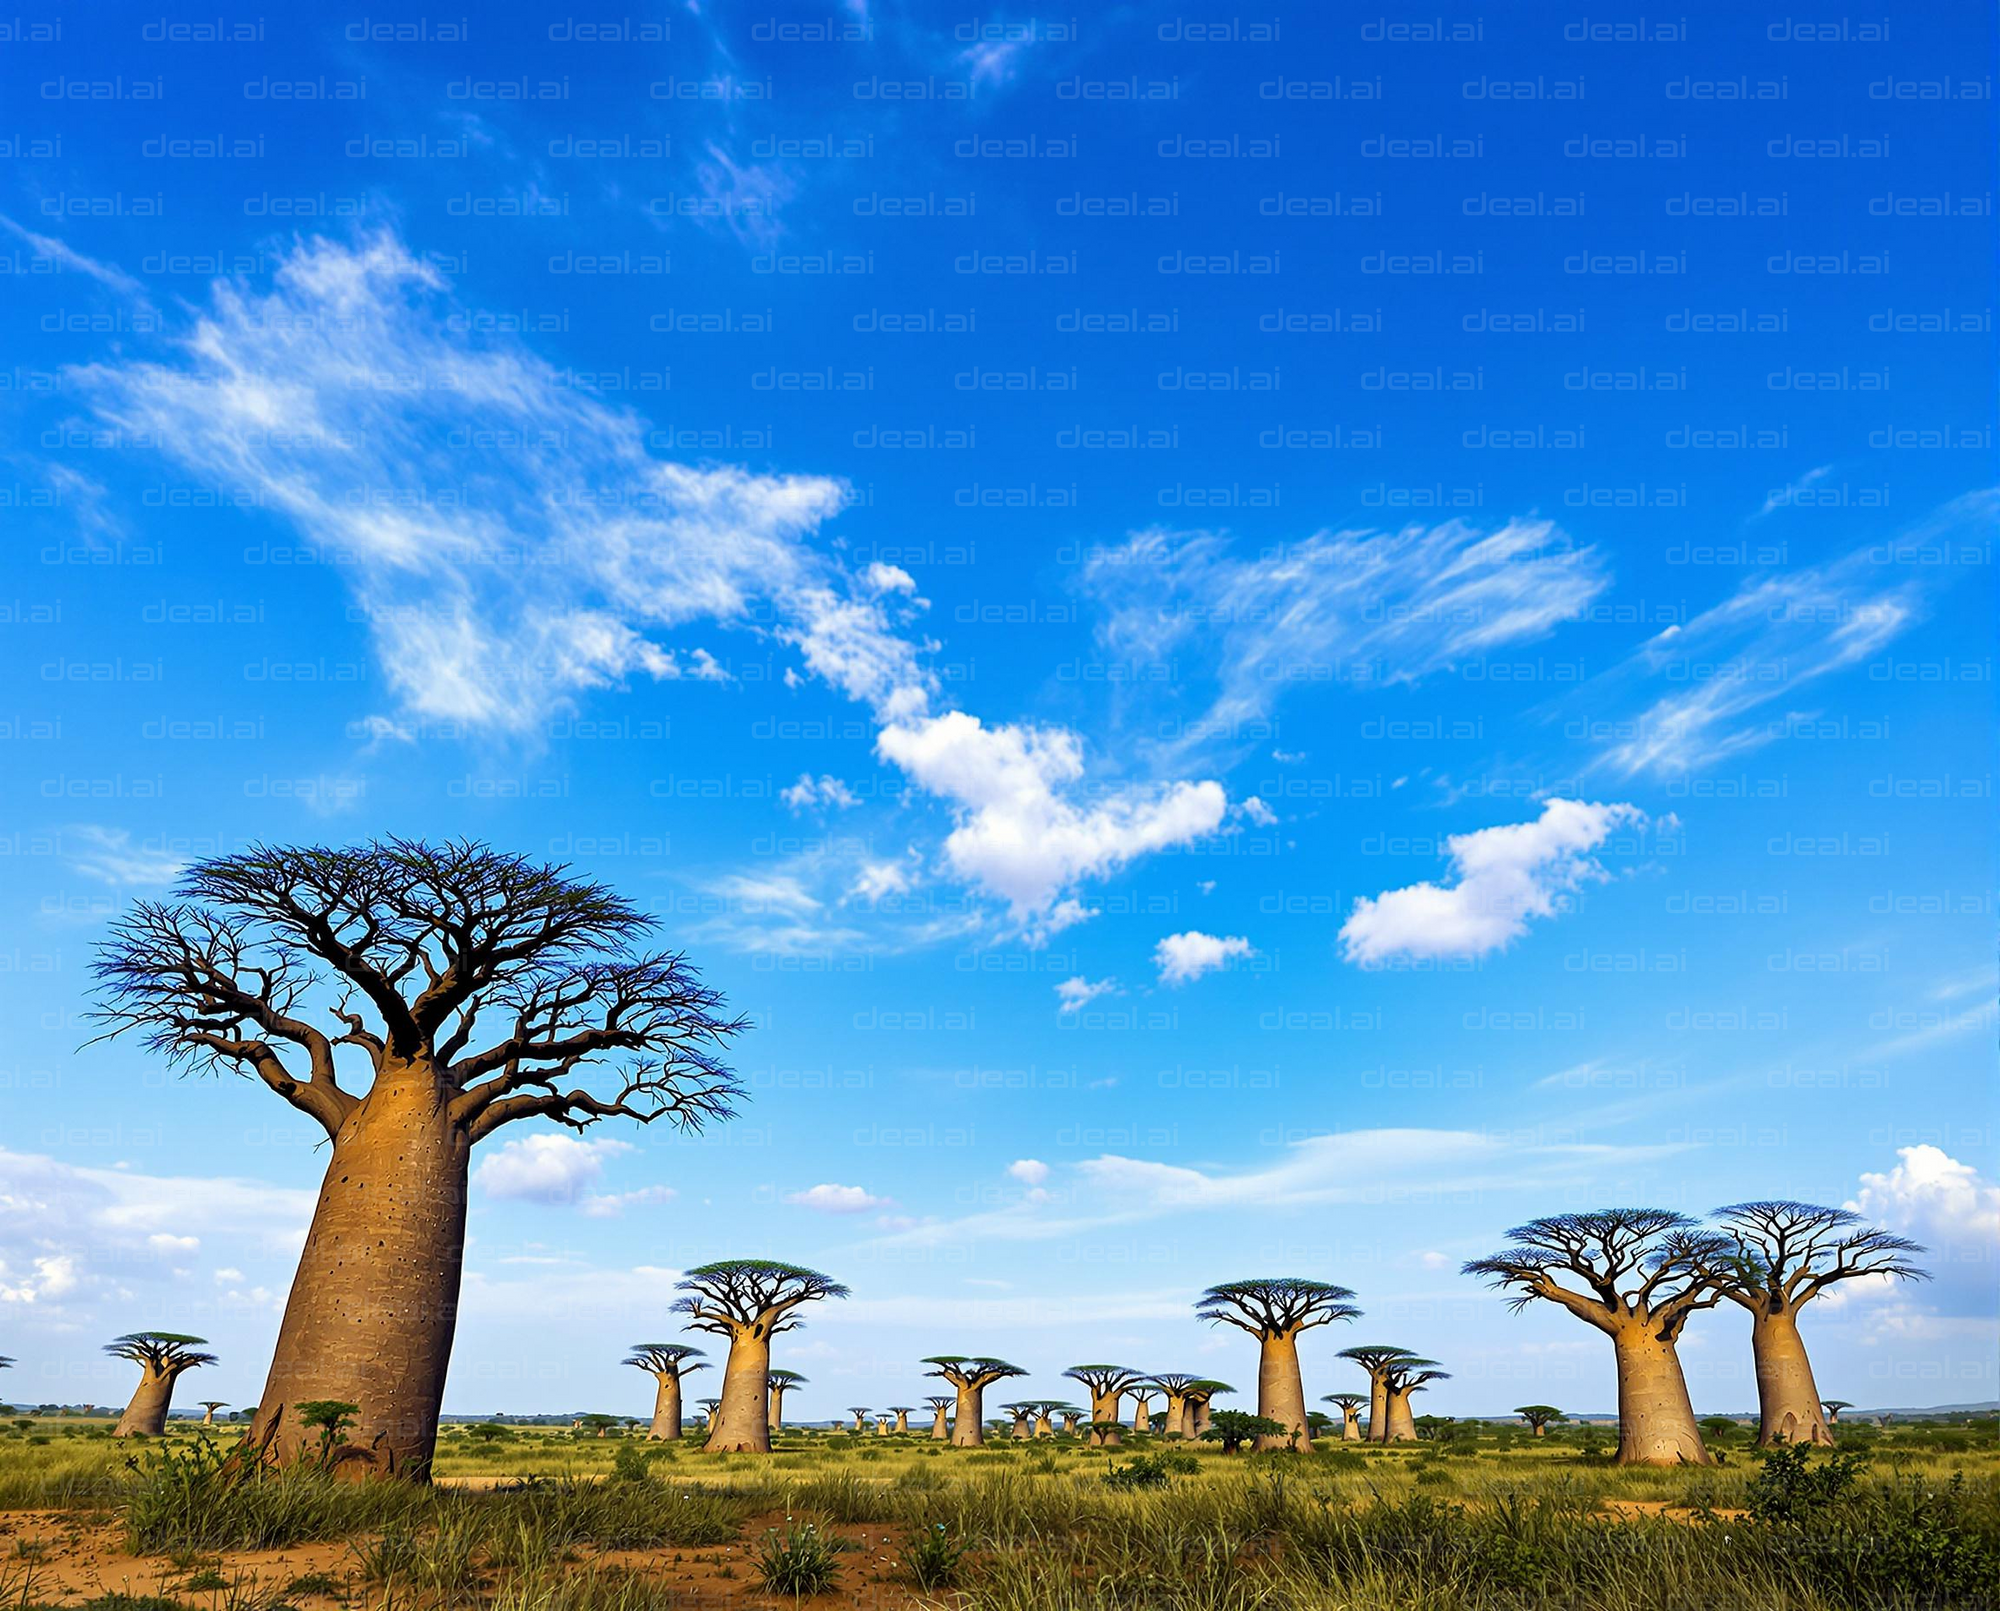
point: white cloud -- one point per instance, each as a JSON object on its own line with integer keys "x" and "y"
{"x": 1029, "y": 1171}
{"x": 59, "y": 252}
{"x": 1931, "y": 1195}
{"x": 552, "y": 1169}
{"x": 828, "y": 1198}
{"x": 1371, "y": 606}
{"x": 1077, "y": 993}
{"x": 1257, "y": 811}
{"x": 1502, "y": 877}
{"x": 881, "y": 578}
{"x": 1183, "y": 958}
{"x": 108, "y": 854}
{"x": 879, "y": 879}
{"x": 1789, "y": 494}
{"x": 809, "y": 793}
{"x": 615, "y": 1204}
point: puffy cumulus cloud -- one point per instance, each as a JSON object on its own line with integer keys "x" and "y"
{"x": 1019, "y": 834}
{"x": 1183, "y": 958}
{"x": 554, "y": 1169}
{"x": 828, "y": 1198}
{"x": 1073, "y": 995}
{"x": 1930, "y": 1196}
{"x": 881, "y": 578}
{"x": 1502, "y": 877}
{"x": 1029, "y": 1171}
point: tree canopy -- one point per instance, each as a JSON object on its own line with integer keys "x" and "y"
{"x": 1276, "y": 1306}
{"x": 1651, "y": 1266}
{"x": 757, "y": 1295}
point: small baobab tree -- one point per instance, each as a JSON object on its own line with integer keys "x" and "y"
{"x": 1200, "y": 1395}
{"x": 1045, "y": 1411}
{"x": 1071, "y": 1415}
{"x": 668, "y": 1364}
{"x": 1644, "y": 1273}
{"x": 1349, "y": 1405}
{"x": 1233, "y": 1428}
{"x": 1107, "y": 1385}
{"x": 969, "y": 1375}
{"x": 161, "y": 1357}
{"x": 777, "y": 1384}
{"x": 1833, "y": 1407}
{"x": 1275, "y": 1310}
{"x": 941, "y": 1404}
{"x": 405, "y": 950}
{"x": 1173, "y": 1418}
{"x": 749, "y": 1301}
{"x": 208, "y": 1408}
{"x": 1539, "y": 1417}
{"x": 708, "y": 1408}
{"x": 1780, "y": 1256}
{"x": 1142, "y": 1406}
{"x": 1375, "y": 1359}
{"x": 860, "y": 1414}
{"x": 1023, "y": 1416}
{"x": 902, "y": 1415}
{"x": 1401, "y": 1378}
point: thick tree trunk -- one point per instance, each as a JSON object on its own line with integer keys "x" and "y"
{"x": 1023, "y": 1429}
{"x": 967, "y": 1431}
{"x": 902, "y": 1420}
{"x": 1200, "y": 1415}
{"x": 1142, "y": 1416}
{"x": 775, "y": 1418}
{"x": 1788, "y": 1404}
{"x": 1174, "y": 1418}
{"x": 1656, "y": 1424}
{"x": 1540, "y": 1429}
{"x": 1350, "y": 1424}
{"x": 666, "y": 1408}
{"x": 1281, "y": 1395}
{"x": 1402, "y": 1425}
{"x": 741, "y": 1422}
{"x": 146, "y": 1415}
{"x": 941, "y": 1425}
{"x": 207, "y": 1416}
{"x": 1044, "y": 1427}
{"x": 1069, "y": 1424}
{"x": 375, "y": 1301}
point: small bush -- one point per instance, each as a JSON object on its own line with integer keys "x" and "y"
{"x": 799, "y": 1560}
{"x": 934, "y": 1557}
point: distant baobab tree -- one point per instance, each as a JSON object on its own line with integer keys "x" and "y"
{"x": 208, "y": 1408}
{"x": 1070, "y": 1414}
{"x": 1833, "y": 1407}
{"x": 1539, "y": 1416}
{"x": 1142, "y": 1406}
{"x": 1275, "y": 1310}
{"x": 1782, "y": 1255}
{"x": 749, "y": 1301}
{"x": 1199, "y": 1395}
{"x": 1400, "y": 1378}
{"x": 161, "y": 1357}
{"x": 1174, "y": 1384}
{"x": 970, "y": 1375}
{"x": 1645, "y": 1272}
{"x": 708, "y": 1408}
{"x": 1107, "y": 1385}
{"x": 1045, "y": 1410}
{"x": 1023, "y": 1415}
{"x": 941, "y": 1404}
{"x": 778, "y": 1383}
{"x": 668, "y": 1364}
{"x": 860, "y": 1414}
{"x": 405, "y": 947}
{"x": 1375, "y": 1359}
{"x": 1349, "y": 1405}
{"x": 902, "y": 1415}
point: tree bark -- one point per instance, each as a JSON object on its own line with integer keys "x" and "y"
{"x": 1788, "y": 1403}
{"x": 1402, "y": 1425}
{"x": 742, "y": 1421}
{"x": 1142, "y": 1420}
{"x": 1200, "y": 1415}
{"x": 1656, "y": 1425}
{"x": 941, "y": 1425}
{"x": 666, "y": 1408}
{"x": 1350, "y": 1424}
{"x": 902, "y": 1420}
{"x": 146, "y": 1415}
{"x": 967, "y": 1431}
{"x": 1281, "y": 1395}
{"x": 1539, "y": 1429}
{"x": 375, "y": 1301}
{"x": 775, "y": 1418}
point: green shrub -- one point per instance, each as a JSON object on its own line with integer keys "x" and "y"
{"x": 800, "y": 1560}
{"x": 934, "y": 1557}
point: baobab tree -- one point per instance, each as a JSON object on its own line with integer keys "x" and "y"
{"x": 1833, "y": 1407}
{"x": 1400, "y": 1378}
{"x": 1275, "y": 1310}
{"x": 1107, "y": 1385}
{"x": 860, "y": 1414}
{"x": 667, "y": 1364}
{"x": 1375, "y": 1359}
{"x": 902, "y": 1415}
{"x": 1539, "y": 1416}
{"x": 708, "y": 1408}
{"x": 405, "y": 948}
{"x": 1070, "y": 1416}
{"x": 1780, "y": 1256}
{"x": 1142, "y": 1407}
{"x": 1350, "y": 1414}
{"x": 970, "y": 1375}
{"x": 749, "y": 1301}
{"x": 1023, "y": 1415}
{"x": 208, "y": 1408}
{"x": 1645, "y": 1272}
{"x": 1045, "y": 1410}
{"x": 1199, "y": 1395}
{"x": 941, "y": 1404}
{"x": 161, "y": 1357}
{"x": 1174, "y": 1384}
{"x": 777, "y": 1383}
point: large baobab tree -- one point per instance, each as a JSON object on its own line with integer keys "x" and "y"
{"x": 941, "y": 1404}
{"x": 749, "y": 1301}
{"x": 667, "y": 1364}
{"x": 1349, "y": 1405}
{"x": 161, "y": 1357}
{"x": 299, "y": 967}
{"x": 969, "y": 1375}
{"x": 1275, "y": 1310}
{"x": 1107, "y": 1385}
{"x": 1644, "y": 1273}
{"x": 1539, "y": 1417}
{"x": 1780, "y": 1256}
{"x": 1200, "y": 1394}
{"x": 777, "y": 1384}
{"x": 1375, "y": 1359}
{"x": 1174, "y": 1384}
{"x": 1400, "y": 1378}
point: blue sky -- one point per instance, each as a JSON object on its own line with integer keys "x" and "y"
{"x": 1259, "y": 642}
